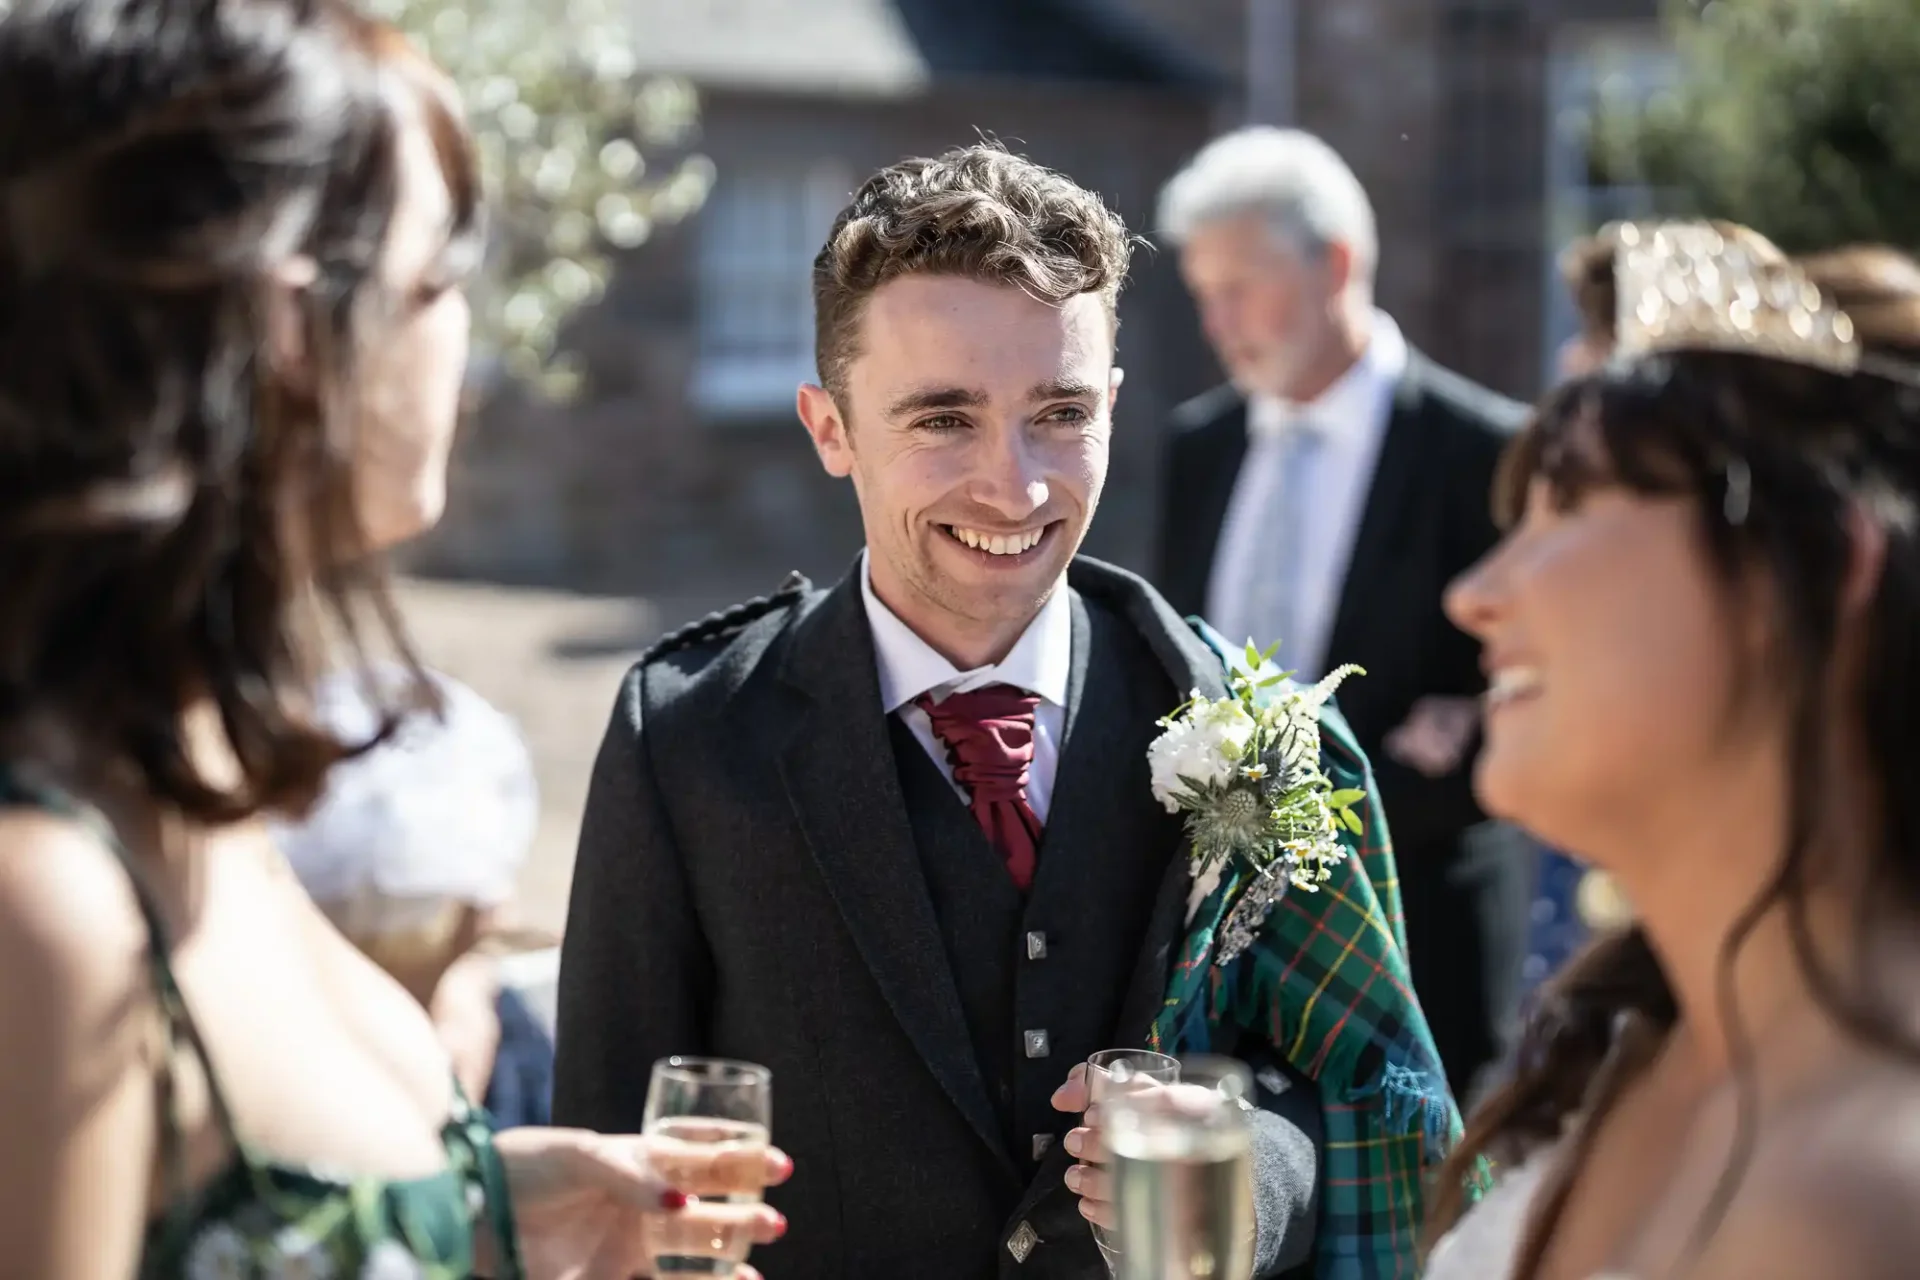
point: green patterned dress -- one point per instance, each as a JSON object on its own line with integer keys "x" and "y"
{"x": 260, "y": 1218}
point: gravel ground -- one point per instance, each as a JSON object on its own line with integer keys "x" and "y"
{"x": 553, "y": 661}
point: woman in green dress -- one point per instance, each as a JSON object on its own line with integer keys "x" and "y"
{"x": 232, "y": 240}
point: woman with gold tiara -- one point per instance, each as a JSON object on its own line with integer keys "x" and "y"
{"x": 1702, "y": 633}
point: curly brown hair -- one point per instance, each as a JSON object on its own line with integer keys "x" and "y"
{"x": 979, "y": 212}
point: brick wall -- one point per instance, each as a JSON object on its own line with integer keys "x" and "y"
{"x": 1440, "y": 107}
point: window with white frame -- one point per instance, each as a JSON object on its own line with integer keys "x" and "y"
{"x": 1586, "y": 71}
{"x": 759, "y": 233}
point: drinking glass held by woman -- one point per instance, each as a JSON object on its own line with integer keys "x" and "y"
{"x": 232, "y": 239}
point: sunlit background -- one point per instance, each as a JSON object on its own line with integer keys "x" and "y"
{"x": 668, "y": 168}
{"x": 664, "y": 171}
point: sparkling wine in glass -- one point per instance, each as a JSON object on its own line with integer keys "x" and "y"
{"x": 711, "y": 1121}
{"x": 1183, "y": 1176}
{"x": 1110, "y": 1073}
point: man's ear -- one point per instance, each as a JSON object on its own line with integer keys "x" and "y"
{"x": 1114, "y": 380}
{"x": 827, "y": 428}
{"x": 1337, "y": 263}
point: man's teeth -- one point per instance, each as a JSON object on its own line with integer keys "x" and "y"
{"x": 1512, "y": 682}
{"x": 999, "y": 544}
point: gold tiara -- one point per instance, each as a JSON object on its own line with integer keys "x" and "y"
{"x": 1697, "y": 286}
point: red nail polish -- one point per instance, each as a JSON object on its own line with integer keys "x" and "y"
{"x": 779, "y": 1225}
{"x": 672, "y": 1201}
{"x": 786, "y": 1165}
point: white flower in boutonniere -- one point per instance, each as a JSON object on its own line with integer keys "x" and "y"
{"x": 1245, "y": 769}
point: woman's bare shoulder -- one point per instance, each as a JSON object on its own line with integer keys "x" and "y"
{"x": 73, "y": 945}
{"x": 1831, "y": 1192}
{"x": 77, "y": 1004}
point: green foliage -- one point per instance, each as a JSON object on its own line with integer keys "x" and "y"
{"x": 566, "y": 124}
{"x": 1800, "y": 118}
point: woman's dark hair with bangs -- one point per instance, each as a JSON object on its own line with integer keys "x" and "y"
{"x": 170, "y": 510}
{"x": 1775, "y": 455}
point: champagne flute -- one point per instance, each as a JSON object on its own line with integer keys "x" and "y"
{"x": 1111, "y": 1072}
{"x": 1183, "y": 1175}
{"x": 711, "y": 1121}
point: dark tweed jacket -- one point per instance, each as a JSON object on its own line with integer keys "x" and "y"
{"x": 747, "y": 886}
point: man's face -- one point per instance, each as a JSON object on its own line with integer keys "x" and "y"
{"x": 974, "y": 424}
{"x": 1267, "y": 311}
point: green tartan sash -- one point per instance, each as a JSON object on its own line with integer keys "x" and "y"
{"x": 1326, "y": 982}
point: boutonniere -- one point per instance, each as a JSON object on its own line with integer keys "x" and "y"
{"x": 1245, "y": 769}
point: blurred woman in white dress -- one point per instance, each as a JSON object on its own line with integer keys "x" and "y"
{"x": 414, "y": 851}
{"x": 1702, "y": 634}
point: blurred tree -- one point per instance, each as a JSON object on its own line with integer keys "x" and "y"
{"x": 1800, "y": 118}
{"x": 566, "y": 124}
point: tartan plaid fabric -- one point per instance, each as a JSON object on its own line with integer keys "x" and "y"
{"x": 1327, "y": 983}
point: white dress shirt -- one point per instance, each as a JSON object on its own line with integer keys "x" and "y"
{"x": 1039, "y": 662}
{"x": 1351, "y": 420}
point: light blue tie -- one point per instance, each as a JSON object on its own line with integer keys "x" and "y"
{"x": 1274, "y": 576}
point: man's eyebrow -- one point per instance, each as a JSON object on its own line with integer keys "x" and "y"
{"x": 1063, "y": 389}
{"x": 936, "y": 398}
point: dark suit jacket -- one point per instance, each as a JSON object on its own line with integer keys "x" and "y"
{"x": 748, "y": 887}
{"x": 1427, "y": 518}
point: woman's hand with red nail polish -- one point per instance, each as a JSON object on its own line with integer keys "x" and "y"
{"x": 589, "y": 1205}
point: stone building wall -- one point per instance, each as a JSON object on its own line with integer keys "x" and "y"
{"x": 1440, "y": 106}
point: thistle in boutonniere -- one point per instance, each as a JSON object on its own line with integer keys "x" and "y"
{"x": 1245, "y": 769}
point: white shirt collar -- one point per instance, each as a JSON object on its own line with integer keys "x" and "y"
{"x": 1039, "y": 662}
{"x": 1347, "y": 407}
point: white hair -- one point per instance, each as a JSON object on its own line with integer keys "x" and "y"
{"x": 1297, "y": 182}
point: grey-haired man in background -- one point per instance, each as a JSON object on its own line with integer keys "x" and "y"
{"x": 1323, "y": 497}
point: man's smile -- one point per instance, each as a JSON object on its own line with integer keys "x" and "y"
{"x": 1015, "y": 547}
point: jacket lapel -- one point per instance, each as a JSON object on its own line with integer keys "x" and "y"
{"x": 840, "y": 775}
{"x": 1089, "y": 821}
{"x": 1189, "y": 665}
{"x": 1147, "y": 989}
{"x": 1396, "y": 477}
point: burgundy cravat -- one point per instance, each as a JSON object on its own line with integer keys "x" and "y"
{"x": 989, "y": 738}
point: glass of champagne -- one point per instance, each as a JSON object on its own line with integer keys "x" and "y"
{"x": 1111, "y": 1072}
{"x": 1183, "y": 1175}
{"x": 711, "y": 1121}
